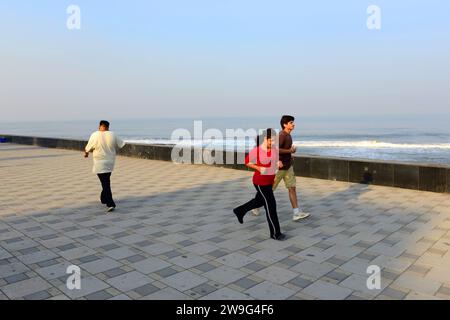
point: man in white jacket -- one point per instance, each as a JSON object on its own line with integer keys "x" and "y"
{"x": 104, "y": 144}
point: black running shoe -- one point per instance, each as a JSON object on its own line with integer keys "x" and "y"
{"x": 239, "y": 217}
{"x": 280, "y": 237}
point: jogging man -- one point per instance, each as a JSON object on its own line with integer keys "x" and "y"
{"x": 286, "y": 172}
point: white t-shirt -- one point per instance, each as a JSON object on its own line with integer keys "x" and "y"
{"x": 105, "y": 145}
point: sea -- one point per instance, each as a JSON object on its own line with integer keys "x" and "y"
{"x": 403, "y": 138}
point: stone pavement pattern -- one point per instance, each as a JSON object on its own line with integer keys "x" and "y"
{"x": 174, "y": 235}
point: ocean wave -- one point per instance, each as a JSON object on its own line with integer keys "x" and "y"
{"x": 365, "y": 144}
{"x": 370, "y": 145}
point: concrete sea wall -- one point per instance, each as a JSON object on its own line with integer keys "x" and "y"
{"x": 425, "y": 177}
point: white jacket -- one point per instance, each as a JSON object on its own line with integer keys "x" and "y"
{"x": 105, "y": 145}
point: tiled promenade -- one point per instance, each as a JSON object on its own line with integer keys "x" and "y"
{"x": 174, "y": 235}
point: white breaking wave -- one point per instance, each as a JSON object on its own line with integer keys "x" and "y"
{"x": 370, "y": 145}
{"x": 306, "y": 144}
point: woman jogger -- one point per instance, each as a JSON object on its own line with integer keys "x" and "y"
{"x": 264, "y": 160}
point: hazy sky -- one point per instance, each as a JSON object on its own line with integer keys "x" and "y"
{"x": 193, "y": 58}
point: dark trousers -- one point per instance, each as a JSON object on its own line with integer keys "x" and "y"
{"x": 264, "y": 198}
{"x": 106, "y": 195}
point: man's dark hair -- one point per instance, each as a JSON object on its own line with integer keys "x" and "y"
{"x": 104, "y": 123}
{"x": 285, "y": 120}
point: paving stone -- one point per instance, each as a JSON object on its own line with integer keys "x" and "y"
{"x": 109, "y": 247}
{"x": 301, "y": 282}
{"x": 420, "y": 296}
{"x": 422, "y": 270}
{"x": 395, "y": 264}
{"x": 120, "y": 297}
{"x": 166, "y": 272}
{"x": 89, "y": 259}
{"x": 167, "y": 294}
{"x": 313, "y": 269}
{"x": 135, "y": 258}
{"x": 439, "y": 274}
{"x": 205, "y": 267}
{"x": 13, "y": 269}
{"x": 120, "y": 253}
{"x": 4, "y": 254}
{"x": 235, "y": 260}
{"x": 245, "y": 283}
{"x": 289, "y": 262}
{"x": 25, "y": 288}
{"x": 276, "y": 274}
{"x": 185, "y": 280}
{"x": 144, "y": 243}
{"x": 224, "y": 275}
{"x": 357, "y": 266}
{"x": 327, "y": 291}
{"x": 226, "y": 294}
{"x": 218, "y": 253}
{"x": 255, "y": 266}
{"x": 249, "y": 250}
{"x": 150, "y": 265}
{"x": 417, "y": 283}
{"x": 204, "y": 289}
{"x": 114, "y": 272}
{"x": 336, "y": 261}
{"x": 29, "y": 251}
{"x": 38, "y": 256}
{"x": 66, "y": 247}
{"x": 41, "y": 295}
{"x": 188, "y": 260}
{"x": 201, "y": 248}
{"x": 359, "y": 284}
{"x": 171, "y": 254}
{"x": 16, "y": 278}
{"x": 186, "y": 243}
{"x": 47, "y": 263}
{"x": 147, "y": 289}
{"x": 270, "y": 291}
{"x": 77, "y": 253}
{"x": 336, "y": 275}
{"x": 89, "y": 285}
{"x": 99, "y": 295}
{"x": 217, "y": 239}
{"x": 129, "y": 281}
{"x": 100, "y": 265}
{"x": 396, "y": 294}
{"x": 54, "y": 271}
{"x": 157, "y": 248}
{"x": 269, "y": 256}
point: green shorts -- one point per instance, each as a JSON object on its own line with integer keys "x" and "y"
{"x": 288, "y": 176}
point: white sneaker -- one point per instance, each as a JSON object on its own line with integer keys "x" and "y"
{"x": 110, "y": 209}
{"x": 300, "y": 215}
{"x": 256, "y": 212}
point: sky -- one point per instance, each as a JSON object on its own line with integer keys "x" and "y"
{"x": 222, "y": 58}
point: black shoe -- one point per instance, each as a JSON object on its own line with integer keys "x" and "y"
{"x": 280, "y": 237}
{"x": 240, "y": 218}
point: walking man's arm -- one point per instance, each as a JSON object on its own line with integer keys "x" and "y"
{"x": 90, "y": 146}
{"x": 291, "y": 150}
{"x": 120, "y": 143}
